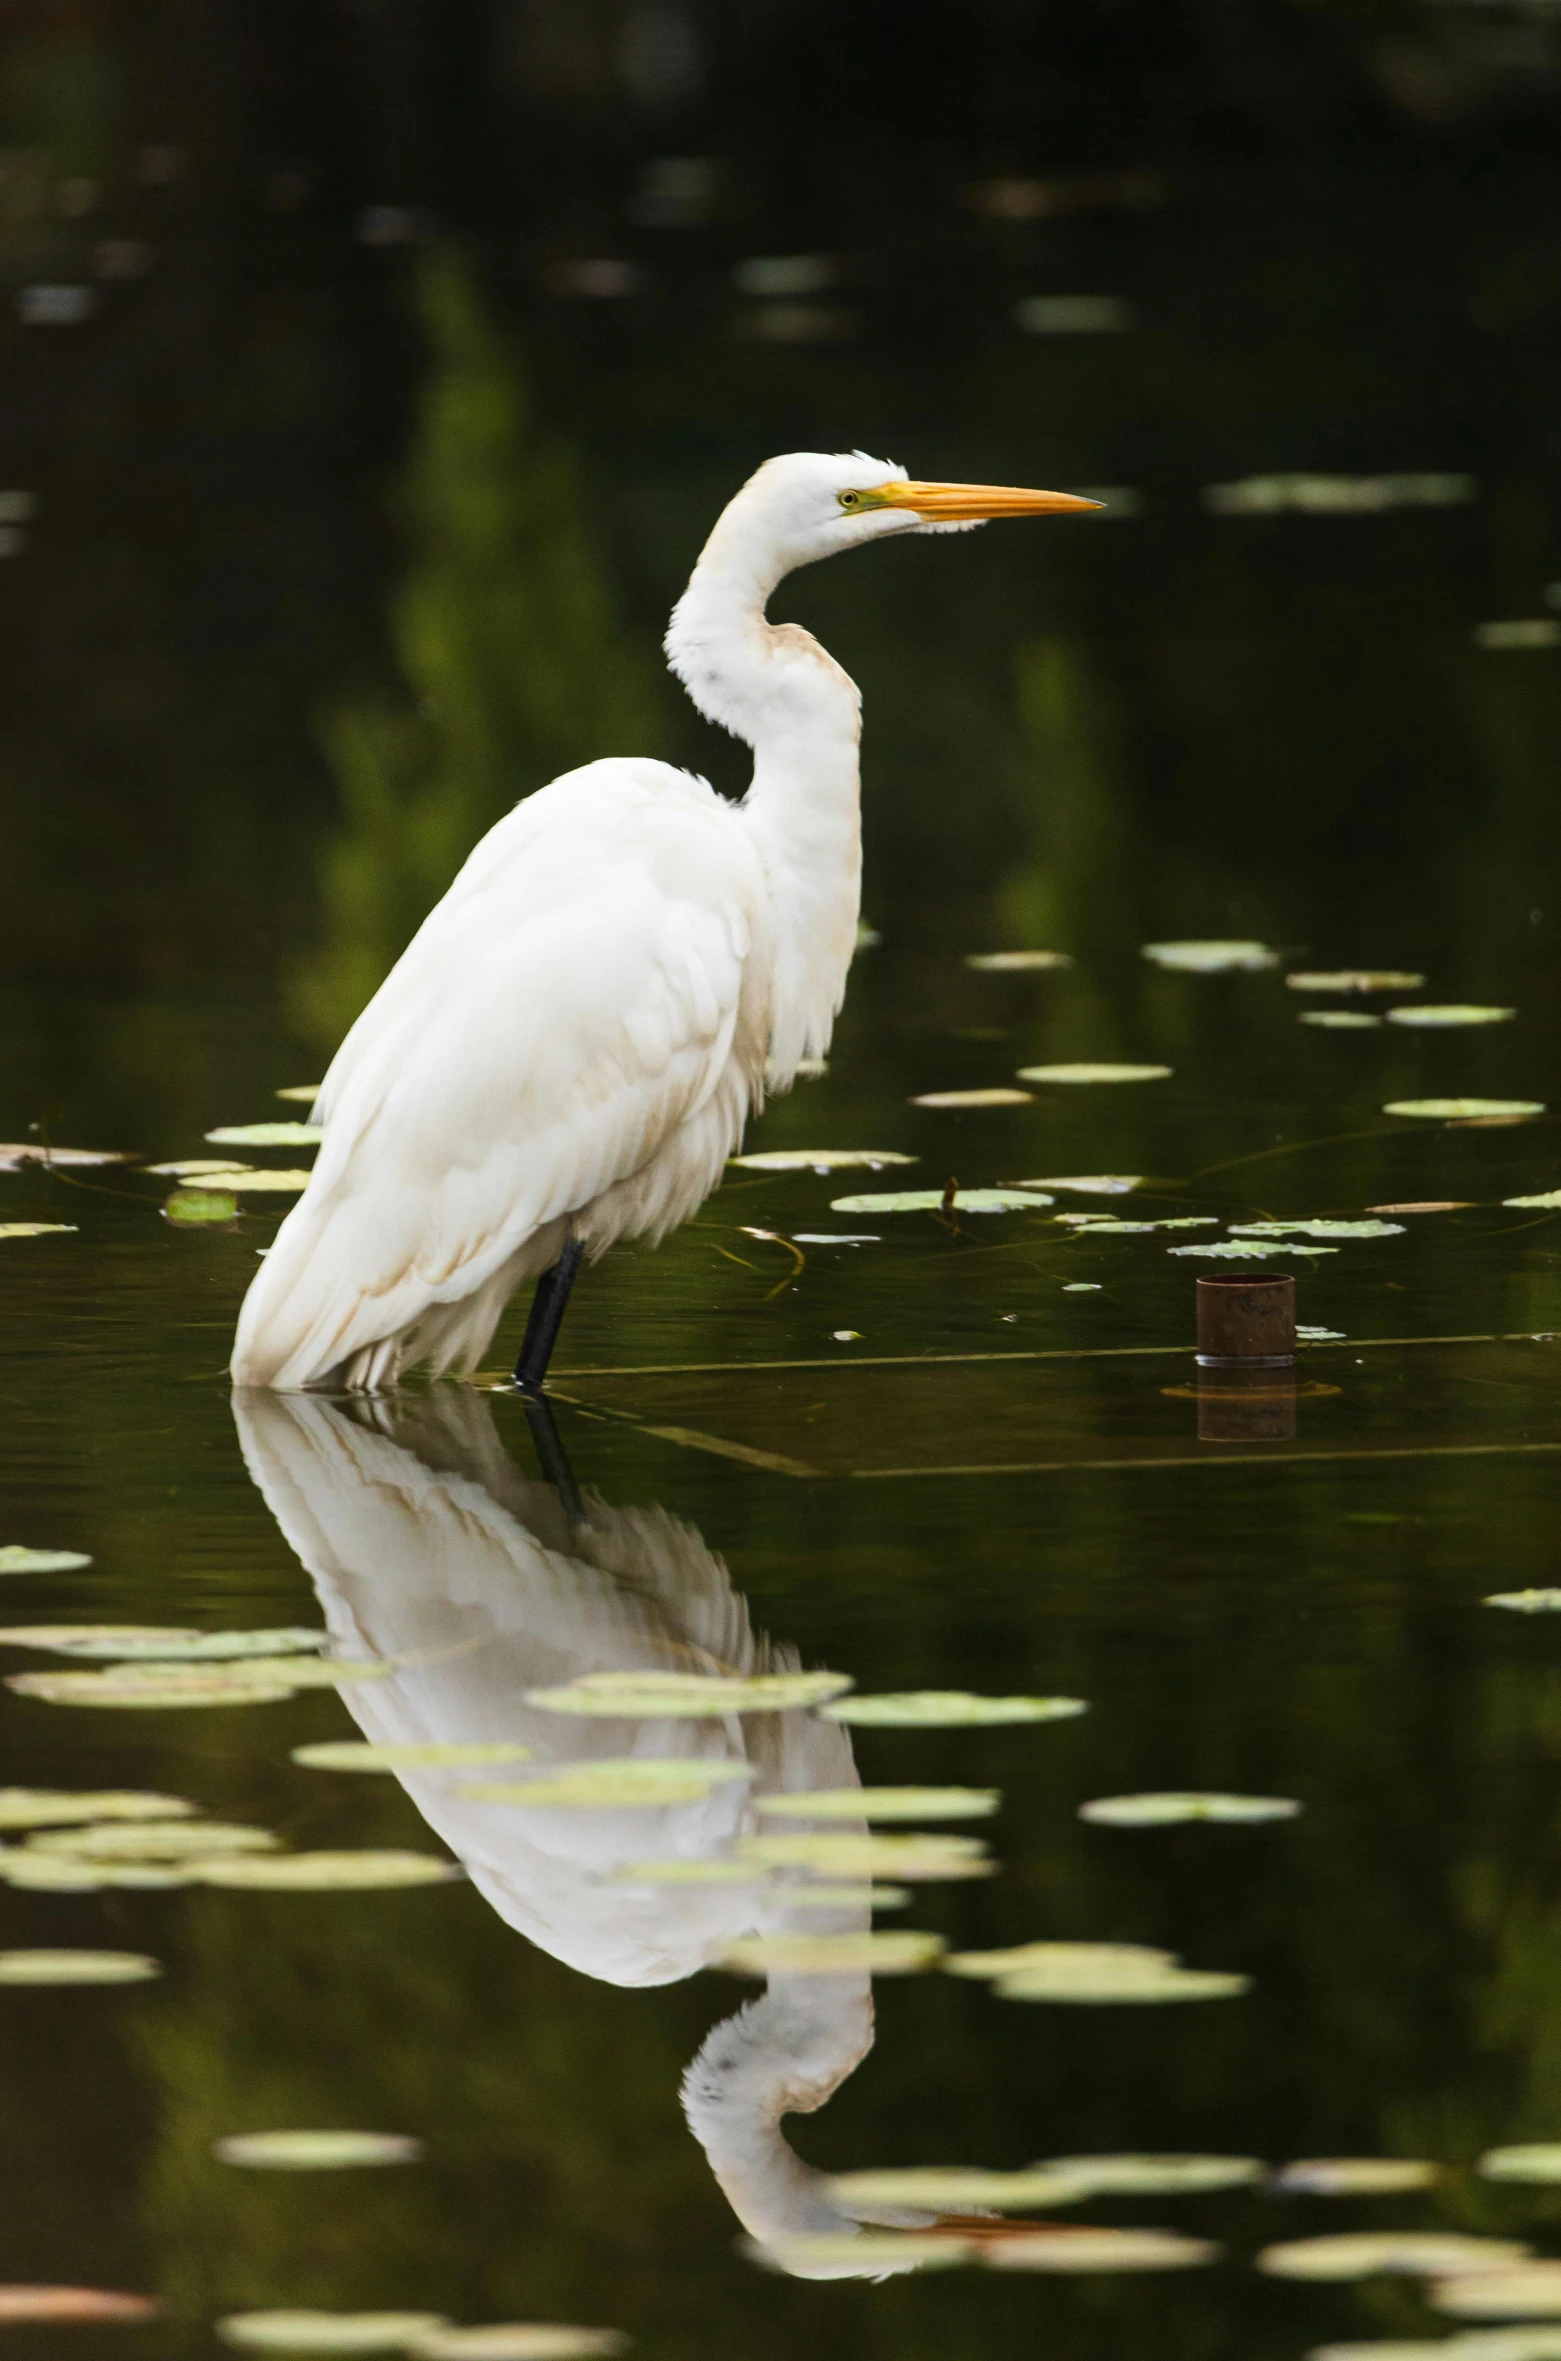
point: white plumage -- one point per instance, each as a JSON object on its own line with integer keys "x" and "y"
{"x": 571, "y": 1043}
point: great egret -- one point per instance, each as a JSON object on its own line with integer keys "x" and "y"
{"x": 566, "y": 1052}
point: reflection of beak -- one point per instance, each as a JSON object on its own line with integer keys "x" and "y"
{"x": 970, "y": 503}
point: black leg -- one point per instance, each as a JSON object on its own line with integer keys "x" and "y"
{"x": 553, "y": 1458}
{"x": 547, "y": 1312}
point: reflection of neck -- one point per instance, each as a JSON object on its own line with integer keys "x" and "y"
{"x": 782, "y": 2055}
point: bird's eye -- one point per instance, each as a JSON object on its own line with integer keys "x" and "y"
{"x": 850, "y": 499}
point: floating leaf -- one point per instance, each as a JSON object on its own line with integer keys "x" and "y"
{"x": 844, "y": 1897}
{"x": 1090, "y": 1184}
{"x": 1173, "y": 1984}
{"x": 1233, "y": 1250}
{"x": 1340, "y": 1020}
{"x": 190, "y": 1207}
{"x": 690, "y": 1695}
{"x": 1532, "y": 2291}
{"x": 327, "y": 2332}
{"x": 1011, "y": 963}
{"x": 1354, "y": 2176}
{"x": 155, "y": 1840}
{"x": 1434, "y": 1205}
{"x": 1095, "y": 1225}
{"x": 1536, "y": 2160}
{"x": 1527, "y": 1602}
{"x": 357, "y": 1754}
{"x": 865, "y": 2254}
{"x": 517, "y": 2340}
{"x": 1455, "y": 1013}
{"x": 1394, "y": 2349}
{"x": 48, "y": 1807}
{"x": 917, "y": 1859}
{"x": 60, "y": 1688}
{"x": 632, "y": 1779}
{"x": 212, "y": 1168}
{"x": 820, "y": 1159}
{"x": 934, "y": 1200}
{"x": 17, "y": 1155}
{"x": 1094, "y": 1073}
{"x": 1085, "y": 1958}
{"x": 35, "y": 1872}
{"x": 1462, "y": 1110}
{"x": 304, "y": 1092}
{"x": 1418, "y": 2254}
{"x": 901, "y": 1953}
{"x": 14, "y": 1559}
{"x": 249, "y": 1184}
{"x": 35, "y": 1229}
{"x": 246, "y": 1681}
{"x": 1317, "y": 1229}
{"x": 1211, "y": 959}
{"x": 76, "y": 1967}
{"x": 1159, "y": 1811}
{"x": 1546, "y": 1201}
{"x": 956, "y": 2189}
{"x": 1079, "y": 2249}
{"x": 1168, "y": 2175}
{"x": 266, "y": 1135}
{"x": 325, "y": 1873}
{"x": 884, "y": 1803}
{"x": 690, "y": 1872}
{"x": 1525, "y": 632}
{"x": 316, "y": 2151}
{"x": 974, "y": 1098}
{"x": 1355, "y": 979}
{"x": 1536, "y": 2342}
{"x": 72, "y": 2303}
{"x": 159, "y": 1643}
{"x": 949, "y": 1709}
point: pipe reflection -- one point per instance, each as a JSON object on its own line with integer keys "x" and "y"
{"x": 429, "y": 1548}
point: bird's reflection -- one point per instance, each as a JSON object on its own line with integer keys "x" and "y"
{"x": 428, "y": 1547}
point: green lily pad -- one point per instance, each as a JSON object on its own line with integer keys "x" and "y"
{"x": 1211, "y": 959}
{"x": 883, "y": 1803}
{"x": 1086, "y": 1072}
{"x": 688, "y": 1696}
{"x": 14, "y": 1559}
{"x": 1414, "y": 2254}
{"x": 327, "y": 2332}
{"x": 1167, "y": 2175}
{"x": 866, "y": 2254}
{"x": 198, "y": 1168}
{"x": 77, "y": 1967}
{"x": 931, "y": 1201}
{"x": 903, "y": 1952}
{"x": 820, "y": 1159}
{"x": 155, "y": 1840}
{"x": 1354, "y": 2176}
{"x": 1546, "y": 1201}
{"x": 262, "y": 1182}
{"x": 325, "y": 1873}
{"x": 1340, "y": 1020}
{"x": 35, "y": 1229}
{"x": 974, "y": 1098}
{"x": 847, "y": 1897}
{"x": 517, "y": 2340}
{"x": 316, "y": 2151}
{"x": 50, "y": 1807}
{"x": 949, "y": 1709}
{"x": 1176, "y": 1984}
{"x": 1355, "y": 979}
{"x": 1463, "y": 1110}
{"x": 266, "y": 1135}
{"x": 64, "y": 1873}
{"x": 1095, "y": 1225}
{"x": 1235, "y": 1250}
{"x": 1092, "y": 1973}
{"x": 187, "y": 1208}
{"x": 305, "y": 1093}
{"x": 160, "y": 1643}
{"x": 1455, "y": 1013}
{"x": 1537, "y": 2160}
{"x": 1527, "y": 1602}
{"x": 1090, "y": 1184}
{"x": 1161, "y": 1811}
{"x": 1085, "y": 1959}
{"x": 918, "y": 1860}
{"x": 945, "y": 2188}
{"x": 357, "y": 1754}
{"x": 1531, "y": 2290}
{"x": 1076, "y": 2249}
{"x": 1317, "y": 1229}
{"x": 1012, "y": 963}
{"x": 633, "y": 1779}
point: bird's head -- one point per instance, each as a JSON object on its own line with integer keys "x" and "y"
{"x": 809, "y": 504}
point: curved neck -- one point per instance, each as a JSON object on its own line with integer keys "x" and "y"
{"x": 774, "y": 687}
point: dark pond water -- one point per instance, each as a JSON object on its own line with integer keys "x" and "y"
{"x": 370, "y": 379}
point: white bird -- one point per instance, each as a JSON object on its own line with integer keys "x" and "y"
{"x": 567, "y": 1051}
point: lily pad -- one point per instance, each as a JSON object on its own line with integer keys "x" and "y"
{"x": 62, "y": 1688}
{"x": 1546, "y": 1201}
{"x": 517, "y": 2340}
{"x": 157, "y": 1685}
{"x": 1095, "y": 1973}
{"x": 1085, "y": 1958}
{"x": 845, "y": 1897}
{"x": 1085, "y": 1072}
{"x": 932, "y": 1201}
{"x": 357, "y": 1754}
{"x": 949, "y": 1709}
{"x": 325, "y": 1873}
{"x": 199, "y": 1168}
{"x": 98, "y": 2304}
{"x": 1462, "y": 1110}
{"x": 867, "y": 2254}
{"x": 1454, "y": 1013}
{"x": 1340, "y": 1020}
{"x": 1234, "y": 1250}
{"x": 1076, "y": 2249}
{"x": 904, "y": 1952}
{"x": 14, "y": 1559}
{"x": 1530, "y": 2291}
{"x": 688, "y": 1696}
{"x": 1416, "y": 2254}
{"x": 159, "y": 1643}
{"x": 821, "y": 1159}
{"x": 327, "y": 2332}
{"x": 1012, "y": 963}
{"x": 190, "y": 1207}
{"x": 917, "y": 1860}
{"x": 1175, "y": 1984}
{"x": 261, "y": 1182}
{"x": 1166, "y": 2175}
{"x": 974, "y": 1098}
{"x": 35, "y": 1229}
{"x": 305, "y": 1093}
{"x": 1527, "y": 1602}
{"x": 64, "y": 1873}
{"x": 19, "y": 1155}
{"x": 1536, "y": 2160}
{"x": 266, "y": 1135}
{"x": 155, "y": 1840}
{"x": 650, "y": 1780}
{"x": 1090, "y": 1184}
{"x": 316, "y": 2151}
{"x": 1354, "y": 2176}
{"x": 957, "y": 2189}
{"x": 49, "y": 1807}
{"x": 1317, "y": 1229}
{"x": 1094, "y": 1225}
{"x": 1211, "y": 959}
{"x": 883, "y": 1803}
{"x": 1355, "y": 979}
{"x": 1534, "y": 2341}
{"x": 77, "y": 1967}
{"x": 1160, "y": 1811}
{"x": 1433, "y": 1205}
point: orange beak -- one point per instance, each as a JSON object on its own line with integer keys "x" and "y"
{"x": 948, "y": 504}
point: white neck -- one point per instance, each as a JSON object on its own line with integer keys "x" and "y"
{"x": 773, "y": 686}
